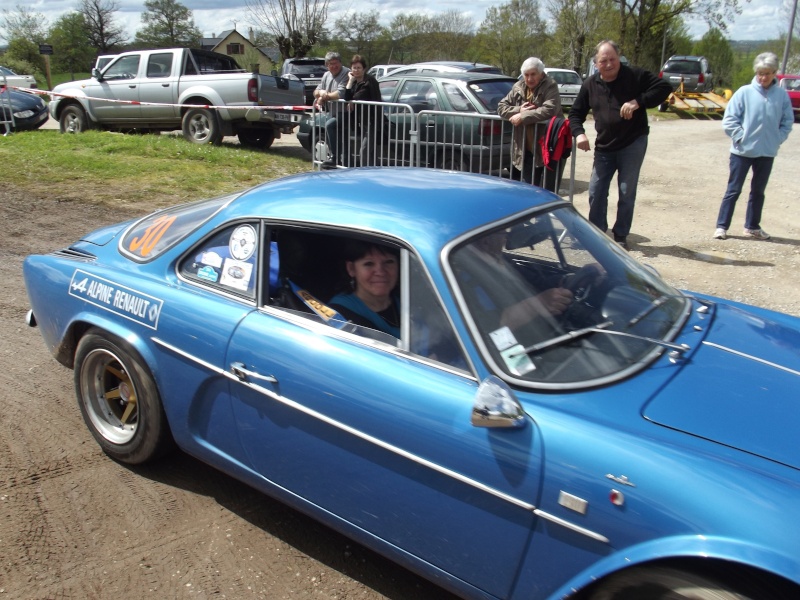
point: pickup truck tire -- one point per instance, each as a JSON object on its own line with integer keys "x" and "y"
{"x": 256, "y": 138}
{"x": 200, "y": 126}
{"x": 73, "y": 119}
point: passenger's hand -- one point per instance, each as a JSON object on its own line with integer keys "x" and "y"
{"x": 582, "y": 142}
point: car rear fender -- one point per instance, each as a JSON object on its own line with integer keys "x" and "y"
{"x": 687, "y": 549}
{"x": 203, "y": 94}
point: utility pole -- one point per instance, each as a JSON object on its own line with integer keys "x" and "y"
{"x": 788, "y": 38}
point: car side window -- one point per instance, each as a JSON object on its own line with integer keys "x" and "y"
{"x": 458, "y": 101}
{"x": 387, "y": 90}
{"x": 417, "y": 94}
{"x": 159, "y": 65}
{"x": 126, "y": 67}
{"x": 226, "y": 261}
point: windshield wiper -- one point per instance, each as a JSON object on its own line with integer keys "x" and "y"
{"x": 572, "y": 335}
{"x": 599, "y": 328}
{"x": 653, "y": 306}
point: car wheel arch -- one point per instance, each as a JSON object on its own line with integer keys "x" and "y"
{"x": 727, "y": 561}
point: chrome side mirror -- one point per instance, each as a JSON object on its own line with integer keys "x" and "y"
{"x": 496, "y": 406}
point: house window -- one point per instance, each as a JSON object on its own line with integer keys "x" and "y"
{"x": 234, "y": 49}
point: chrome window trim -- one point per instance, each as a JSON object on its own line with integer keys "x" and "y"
{"x": 527, "y": 506}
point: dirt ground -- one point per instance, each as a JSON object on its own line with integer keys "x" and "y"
{"x": 75, "y": 524}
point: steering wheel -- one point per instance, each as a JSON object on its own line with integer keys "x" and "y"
{"x": 584, "y": 284}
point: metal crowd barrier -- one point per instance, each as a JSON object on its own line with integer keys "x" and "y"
{"x": 6, "y": 110}
{"x": 392, "y": 134}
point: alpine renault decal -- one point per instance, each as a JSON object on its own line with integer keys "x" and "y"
{"x": 116, "y": 298}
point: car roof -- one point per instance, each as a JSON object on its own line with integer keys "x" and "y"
{"x": 466, "y": 76}
{"x": 425, "y": 207}
{"x": 684, "y": 57}
{"x": 782, "y": 76}
{"x": 553, "y": 69}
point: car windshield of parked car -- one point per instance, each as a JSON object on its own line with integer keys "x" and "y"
{"x": 489, "y": 93}
{"x": 510, "y": 278}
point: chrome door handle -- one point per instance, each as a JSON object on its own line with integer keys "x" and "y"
{"x": 242, "y": 373}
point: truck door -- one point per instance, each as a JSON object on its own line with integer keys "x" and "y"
{"x": 159, "y": 85}
{"x": 119, "y": 88}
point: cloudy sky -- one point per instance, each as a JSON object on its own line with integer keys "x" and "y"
{"x": 760, "y": 19}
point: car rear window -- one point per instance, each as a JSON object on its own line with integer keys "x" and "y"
{"x": 683, "y": 66}
{"x": 149, "y": 237}
{"x": 489, "y": 93}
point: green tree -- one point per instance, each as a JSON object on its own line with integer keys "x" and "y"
{"x": 24, "y": 30}
{"x": 72, "y": 52}
{"x": 716, "y": 48}
{"x": 104, "y": 34}
{"x": 512, "y": 32}
{"x": 295, "y": 25}
{"x": 360, "y": 32}
{"x": 167, "y": 24}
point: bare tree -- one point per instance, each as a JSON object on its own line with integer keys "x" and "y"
{"x": 104, "y": 34}
{"x": 296, "y": 25}
{"x": 578, "y": 23}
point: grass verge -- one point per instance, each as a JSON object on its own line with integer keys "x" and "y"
{"x": 129, "y": 170}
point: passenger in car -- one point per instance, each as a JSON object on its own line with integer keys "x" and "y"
{"x": 372, "y": 301}
{"x": 533, "y": 100}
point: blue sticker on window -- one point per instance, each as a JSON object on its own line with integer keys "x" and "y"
{"x": 208, "y": 274}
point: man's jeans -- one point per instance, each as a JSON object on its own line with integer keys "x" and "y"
{"x": 626, "y": 163}
{"x": 740, "y": 165}
{"x": 332, "y": 138}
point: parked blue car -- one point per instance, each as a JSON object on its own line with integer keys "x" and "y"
{"x": 634, "y": 441}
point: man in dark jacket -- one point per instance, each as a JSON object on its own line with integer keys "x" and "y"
{"x": 617, "y": 96}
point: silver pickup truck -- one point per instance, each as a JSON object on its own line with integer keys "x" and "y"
{"x": 168, "y": 89}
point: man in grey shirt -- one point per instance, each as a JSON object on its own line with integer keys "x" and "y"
{"x": 328, "y": 92}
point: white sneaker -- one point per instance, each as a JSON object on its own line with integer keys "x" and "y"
{"x": 720, "y": 233}
{"x": 756, "y": 234}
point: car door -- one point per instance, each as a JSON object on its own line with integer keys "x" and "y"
{"x": 120, "y": 90}
{"x": 379, "y": 435}
{"x": 158, "y": 88}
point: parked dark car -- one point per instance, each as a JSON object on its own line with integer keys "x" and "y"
{"x": 29, "y": 110}
{"x": 467, "y": 142}
{"x": 308, "y": 70}
{"x": 692, "y": 71}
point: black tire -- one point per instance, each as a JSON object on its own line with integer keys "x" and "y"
{"x": 119, "y": 400}
{"x": 663, "y": 107}
{"x": 454, "y": 161}
{"x": 201, "y": 126}
{"x": 73, "y": 119}
{"x": 662, "y": 583}
{"x": 256, "y": 138}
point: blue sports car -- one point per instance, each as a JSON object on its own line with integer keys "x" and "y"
{"x": 455, "y": 370}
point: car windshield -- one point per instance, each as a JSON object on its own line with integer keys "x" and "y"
{"x": 489, "y": 93}
{"x": 555, "y": 304}
{"x": 5, "y": 71}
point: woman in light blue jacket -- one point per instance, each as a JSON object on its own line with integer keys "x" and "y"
{"x": 758, "y": 120}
